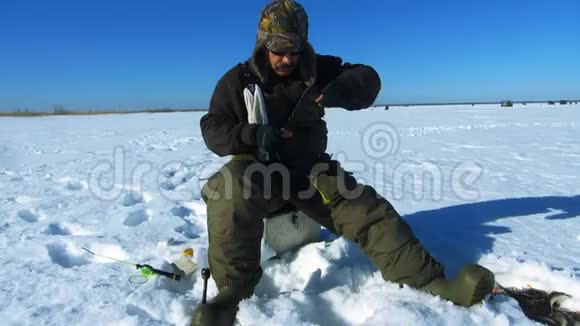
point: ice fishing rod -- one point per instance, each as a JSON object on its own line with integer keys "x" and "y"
{"x": 205, "y": 274}
{"x": 146, "y": 271}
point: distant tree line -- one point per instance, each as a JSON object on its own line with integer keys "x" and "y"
{"x": 59, "y": 109}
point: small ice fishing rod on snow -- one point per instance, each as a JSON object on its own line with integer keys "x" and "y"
{"x": 146, "y": 271}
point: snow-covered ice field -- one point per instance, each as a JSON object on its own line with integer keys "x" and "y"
{"x": 499, "y": 187}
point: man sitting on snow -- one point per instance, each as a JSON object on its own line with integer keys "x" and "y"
{"x": 295, "y": 84}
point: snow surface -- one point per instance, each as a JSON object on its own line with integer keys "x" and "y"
{"x": 478, "y": 184}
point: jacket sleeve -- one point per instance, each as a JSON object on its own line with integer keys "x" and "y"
{"x": 350, "y": 86}
{"x": 225, "y": 128}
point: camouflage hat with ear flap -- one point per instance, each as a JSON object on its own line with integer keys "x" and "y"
{"x": 283, "y": 26}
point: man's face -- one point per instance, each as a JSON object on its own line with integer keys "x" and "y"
{"x": 282, "y": 63}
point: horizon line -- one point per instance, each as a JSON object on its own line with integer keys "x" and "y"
{"x": 168, "y": 110}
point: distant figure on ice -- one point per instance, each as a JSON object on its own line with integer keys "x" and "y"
{"x": 267, "y": 112}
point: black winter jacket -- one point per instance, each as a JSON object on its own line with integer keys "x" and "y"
{"x": 226, "y": 131}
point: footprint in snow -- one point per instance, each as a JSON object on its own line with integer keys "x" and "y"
{"x": 74, "y": 185}
{"x": 176, "y": 176}
{"x": 132, "y": 198}
{"x": 169, "y": 173}
{"x": 136, "y": 218}
{"x": 188, "y": 230}
{"x": 134, "y": 310}
{"x": 4, "y": 227}
{"x": 64, "y": 228}
{"x": 28, "y": 216}
{"x": 16, "y": 178}
{"x": 57, "y": 229}
{"x": 166, "y": 185}
{"x": 181, "y": 211}
{"x": 61, "y": 255}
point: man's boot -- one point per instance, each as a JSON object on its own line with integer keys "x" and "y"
{"x": 471, "y": 286}
{"x": 222, "y": 310}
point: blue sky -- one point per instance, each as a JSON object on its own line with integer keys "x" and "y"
{"x": 143, "y": 54}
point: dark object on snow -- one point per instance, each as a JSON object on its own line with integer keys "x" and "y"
{"x": 563, "y": 102}
{"x": 148, "y": 270}
{"x": 506, "y": 104}
{"x": 205, "y": 274}
{"x": 386, "y": 108}
{"x": 544, "y": 307}
{"x": 551, "y": 102}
